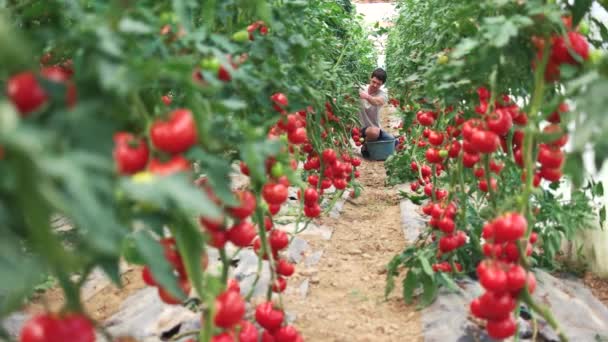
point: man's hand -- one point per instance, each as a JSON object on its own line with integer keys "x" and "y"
{"x": 364, "y": 95}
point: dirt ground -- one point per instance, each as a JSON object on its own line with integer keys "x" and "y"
{"x": 346, "y": 298}
{"x": 598, "y": 286}
{"x": 101, "y": 305}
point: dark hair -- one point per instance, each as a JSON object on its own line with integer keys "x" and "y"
{"x": 380, "y": 74}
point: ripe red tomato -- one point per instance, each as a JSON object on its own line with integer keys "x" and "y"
{"x": 509, "y": 227}
{"x": 176, "y": 164}
{"x": 483, "y": 185}
{"x": 425, "y": 119}
{"x": 248, "y": 332}
{"x": 269, "y": 318}
{"x": 177, "y": 134}
{"x": 246, "y": 207}
{"x": 218, "y": 238}
{"x": 223, "y": 337}
{"x": 167, "y": 99}
{"x": 516, "y": 278}
{"x": 551, "y": 158}
{"x": 448, "y": 243}
{"x": 469, "y": 160}
{"x": 146, "y": 275}
{"x": 435, "y": 138}
{"x": 25, "y": 93}
{"x": 229, "y": 309}
{"x": 454, "y": 150}
{"x": 130, "y": 154}
{"x": 311, "y": 196}
{"x": 274, "y": 193}
{"x": 492, "y": 278}
{"x": 552, "y": 175}
{"x": 499, "y": 122}
{"x": 313, "y": 210}
{"x": 497, "y": 305}
{"x": 329, "y": 156}
{"x": 286, "y": 334}
{"x": 340, "y": 183}
{"x": 485, "y": 141}
{"x": 42, "y": 328}
{"x": 242, "y": 234}
{"x": 279, "y": 285}
{"x": 446, "y": 225}
{"x": 77, "y": 327}
{"x": 502, "y": 329}
{"x": 428, "y": 189}
{"x": 297, "y": 136}
{"x": 432, "y": 156}
{"x": 278, "y": 240}
{"x": 576, "y": 41}
{"x": 285, "y": 268}
{"x": 279, "y": 99}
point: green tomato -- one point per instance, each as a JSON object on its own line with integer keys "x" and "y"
{"x": 583, "y": 27}
{"x": 443, "y": 153}
{"x": 277, "y": 170}
{"x": 241, "y": 36}
{"x": 210, "y": 64}
{"x": 443, "y": 59}
{"x": 168, "y": 17}
{"x": 595, "y": 56}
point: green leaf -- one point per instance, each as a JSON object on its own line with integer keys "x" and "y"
{"x": 574, "y": 168}
{"x": 190, "y": 244}
{"x": 602, "y": 216}
{"x": 499, "y": 30}
{"x": 154, "y": 255}
{"x": 426, "y": 266}
{"x": 129, "y": 25}
{"x": 410, "y": 283}
{"x": 175, "y": 191}
{"x": 599, "y": 189}
{"x": 217, "y": 170}
{"x": 579, "y": 9}
{"x": 447, "y": 281}
{"x": 465, "y": 46}
{"x": 255, "y": 155}
{"x": 429, "y": 294}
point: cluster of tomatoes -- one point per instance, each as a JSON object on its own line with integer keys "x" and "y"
{"x": 559, "y": 49}
{"x": 356, "y": 135}
{"x": 28, "y": 95}
{"x": 501, "y": 275}
{"x": 173, "y": 136}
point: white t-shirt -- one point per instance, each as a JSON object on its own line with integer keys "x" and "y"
{"x": 369, "y": 114}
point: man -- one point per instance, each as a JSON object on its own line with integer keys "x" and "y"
{"x": 373, "y": 97}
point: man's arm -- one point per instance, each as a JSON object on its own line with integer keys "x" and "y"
{"x": 374, "y": 100}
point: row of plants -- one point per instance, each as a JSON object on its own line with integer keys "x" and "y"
{"x": 499, "y": 100}
{"x": 131, "y": 118}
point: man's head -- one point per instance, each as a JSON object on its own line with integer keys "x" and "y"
{"x": 377, "y": 79}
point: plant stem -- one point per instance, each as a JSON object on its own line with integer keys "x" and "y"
{"x": 486, "y": 162}
{"x": 544, "y": 312}
{"x": 226, "y": 265}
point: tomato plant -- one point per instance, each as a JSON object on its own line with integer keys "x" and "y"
{"x": 129, "y": 117}
{"x": 494, "y": 114}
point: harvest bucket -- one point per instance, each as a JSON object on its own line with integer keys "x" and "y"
{"x": 380, "y": 150}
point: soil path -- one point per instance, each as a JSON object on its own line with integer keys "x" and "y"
{"x": 346, "y": 298}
